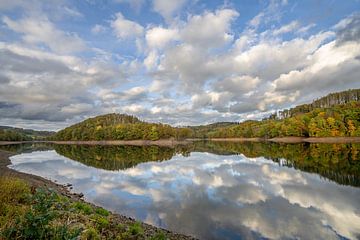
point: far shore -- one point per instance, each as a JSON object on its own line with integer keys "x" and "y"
{"x": 292, "y": 139}
{"x": 173, "y": 143}
{"x": 160, "y": 143}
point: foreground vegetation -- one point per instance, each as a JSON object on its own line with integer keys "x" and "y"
{"x": 28, "y": 213}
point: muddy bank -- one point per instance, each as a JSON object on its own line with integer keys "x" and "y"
{"x": 293, "y": 139}
{"x": 173, "y": 143}
{"x": 10, "y": 143}
{"x": 236, "y": 139}
{"x": 36, "y": 181}
{"x": 160, "y": 143}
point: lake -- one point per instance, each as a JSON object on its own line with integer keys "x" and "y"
{"x": 214, "y": 190}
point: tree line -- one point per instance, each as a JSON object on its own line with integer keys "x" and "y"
{"x": 337, "y": 121}
{"x": 120, "y": 127}
{"x": 9, "y": 135}
{"x": 330, "y": 100}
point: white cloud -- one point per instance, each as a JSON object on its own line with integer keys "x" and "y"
{"x": 238, "y": 84}
{"x": 41, "y": 30}
{"x": 192, "y": 68}
{"x": 327, "y": 67}
{"x": 209, "y": 29}
{"x": 291, "y": 27}
{"x": 159, "y": 37}
{"x": 124, "y": 28}
{"x": 77, "y": 108}
{"x": 45, "y": 86}
{"x": 151, "y": 60}
{"x": 168, "y": 8}
{"x": 97, "y": 29}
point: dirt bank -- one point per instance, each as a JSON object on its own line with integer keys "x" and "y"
{"x": 237, "y": 139}
{"x": 161, "y": 142}
{"x": 293, "y": 139}
{"x": 35, "y": 181}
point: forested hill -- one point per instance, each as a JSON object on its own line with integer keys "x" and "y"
{"x": 328, "y": 101}
{"x": 202, "y": 131}
{"x": 338, "y": 121}
{"x": 20, "y": 134}
{"x": 119, "y": 127}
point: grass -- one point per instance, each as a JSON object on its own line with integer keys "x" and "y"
{"x": 27, "y": 213}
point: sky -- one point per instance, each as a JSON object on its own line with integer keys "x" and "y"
{"x": 180, "y": 62}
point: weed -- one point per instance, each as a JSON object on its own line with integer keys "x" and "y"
{"x": 101, "y": 222}
{"x": 90, "y": 234}
{"x": 159, "y": 236}
{"x": 102, "y": 212}
{"x": 136, "y": 229}
{"x": 83, "y": 207}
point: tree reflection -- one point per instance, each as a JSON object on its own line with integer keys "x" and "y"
{"x": 117, "y": 157}
{"x": 338, "y": 162}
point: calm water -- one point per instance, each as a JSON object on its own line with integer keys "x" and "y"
{"x": 215, "y": 190}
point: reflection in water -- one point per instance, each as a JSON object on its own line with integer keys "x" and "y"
{"x": 338, "y": 162}
{"x": 220, "y": 196}
{"x": 26, "y": 147}
{"x": 116, "y": 157}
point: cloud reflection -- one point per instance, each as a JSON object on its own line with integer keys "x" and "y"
{"x": 212, "y": 196}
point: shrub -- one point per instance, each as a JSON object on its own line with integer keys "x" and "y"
{"x": 90, "y": 234}
{"x": 83, "y": 207}
{"x": 102, "y": 212}
{"x": 158, "y": 236}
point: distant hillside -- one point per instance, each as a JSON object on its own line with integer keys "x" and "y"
{"x": 336, "y": 121}
{"x": 202, "y": 131}
{"x": 19, "y": 134}
{"x": 328, "y": 101}
{"x": 119, "y": 127}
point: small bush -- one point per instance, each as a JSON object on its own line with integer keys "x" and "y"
{"x": 136, "y": 229}
{"x": 12, "y": 190}
{"x": 101, "y": 222}
{"x": 83, "y": 207}
{"x": 102, "y": 212}
{"x": 65, "y": 233}
{"x": 90, "y": 234}
{"x": 158, "y": 236}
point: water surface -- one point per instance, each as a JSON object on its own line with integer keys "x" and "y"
{"x": 216, "y": 190}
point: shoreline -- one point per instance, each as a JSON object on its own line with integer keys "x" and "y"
{"x": 292, "y": 139}
{"x": 173, "y": 143}
{"x": 160, "y": 143}
{"x": 37, "y": 181}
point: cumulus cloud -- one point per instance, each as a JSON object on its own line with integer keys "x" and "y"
{"x": 124, "y": 28}
{"x": 294, "y": 25}
{"x": 46, "y": 86}
{"x": 41, "y": 30}
{"x": 194, "y": 68}
{"x": 209, "y": 29}
{"x": 238, "y": 84}
{"x": 348, "y": 29}
{"x": 168, "y": 8}
{"x": 159, "y": 37}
